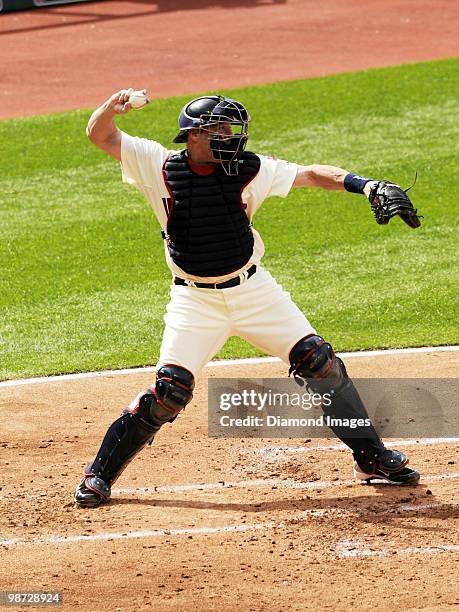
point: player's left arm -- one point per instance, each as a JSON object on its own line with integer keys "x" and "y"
{"x": 327, "y": 177}
{"x": 387, "y": 199}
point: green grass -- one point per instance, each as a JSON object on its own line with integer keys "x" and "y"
{"x": 83, "y": 283}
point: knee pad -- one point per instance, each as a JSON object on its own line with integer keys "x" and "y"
{"x": 174, "y": 387}
{"x": 313, "y": 358}
{"x": 163, "y": 402}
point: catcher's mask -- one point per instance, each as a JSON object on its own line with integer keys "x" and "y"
{"x": 227, "y": 123}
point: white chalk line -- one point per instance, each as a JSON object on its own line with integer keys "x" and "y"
{"x": 219, "y": 363}
{"x": 268, "y": 482}
{"x": 272, "y": 452}
{"x": 352, "y": 549}
{"x": 241, "y": 528}
{"x": 153, "y": 533}
{"x": 287, "y": 483}
{"x": 280, "y": 483}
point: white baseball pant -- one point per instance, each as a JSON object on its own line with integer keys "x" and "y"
{"x": 199, "y": 321}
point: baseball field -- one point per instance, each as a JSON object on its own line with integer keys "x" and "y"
{"x": 196, "y": 522}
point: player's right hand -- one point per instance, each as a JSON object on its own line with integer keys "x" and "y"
{"x": 119, "y": 101}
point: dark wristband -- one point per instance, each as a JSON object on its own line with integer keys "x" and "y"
{"x": 355, "y": 183}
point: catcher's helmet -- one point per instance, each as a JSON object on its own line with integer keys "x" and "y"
{"x": 208, "y": 113}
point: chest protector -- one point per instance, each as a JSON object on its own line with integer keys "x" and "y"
{"x": 209, "y": 233}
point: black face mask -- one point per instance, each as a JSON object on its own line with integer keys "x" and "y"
{"x": 228, "y": 152}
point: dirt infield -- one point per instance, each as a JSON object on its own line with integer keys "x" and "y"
{"x": 232, "y": 524}
{"x": 74, "y": 56}
{"x": 199, "y": 523}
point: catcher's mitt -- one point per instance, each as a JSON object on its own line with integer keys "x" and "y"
{"x": 388, "y": 199}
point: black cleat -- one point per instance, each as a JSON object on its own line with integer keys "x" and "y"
{"x": 91, "y": 492}
{"x": 391, "y": 466}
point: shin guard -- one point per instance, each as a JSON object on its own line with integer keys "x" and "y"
{"x": 313, "y": 361}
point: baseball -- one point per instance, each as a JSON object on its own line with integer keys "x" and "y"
{"x": 138, "y": 99}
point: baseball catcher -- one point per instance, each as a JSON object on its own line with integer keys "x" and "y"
{"x": 205, "y": 196}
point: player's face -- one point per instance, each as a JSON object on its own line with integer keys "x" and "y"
{"x": 219, "y": 130}
{"x": 199, "y": 141}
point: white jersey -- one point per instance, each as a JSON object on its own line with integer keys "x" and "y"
{"x": 142, "y": 166}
